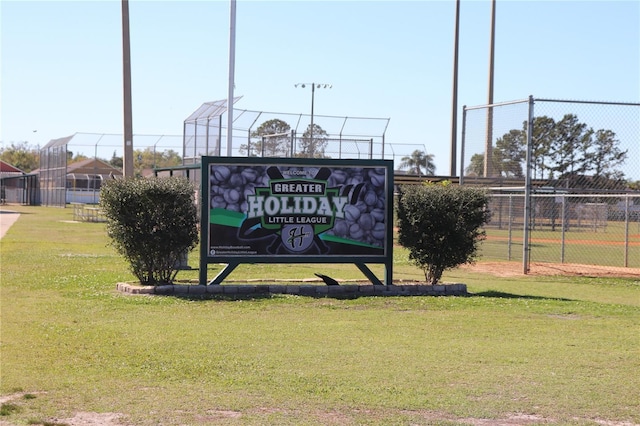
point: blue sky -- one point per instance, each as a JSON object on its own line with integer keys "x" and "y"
{"x": 62, "y": 61}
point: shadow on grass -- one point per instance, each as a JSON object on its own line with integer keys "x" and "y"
{"x": 267, "y": 296}
{"x": 3, "y": 211}
{"x": 310, "y": 295}
{"x": 503, "y": 295}
{"x": 274, "y": 296}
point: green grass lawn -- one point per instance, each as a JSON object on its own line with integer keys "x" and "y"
{"x": 560, "y": 350}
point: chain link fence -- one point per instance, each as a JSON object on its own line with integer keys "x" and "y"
{"x": 61, "y": 184}
{"x": 565, "y": 228}
{"x": 254, "y": 134}
{"x": 73, "y": 168}
{"x": 288, "y": 135}
{"x": 567, "y": 191}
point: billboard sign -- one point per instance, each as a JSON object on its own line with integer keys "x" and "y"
{"x": 296, "y": 210}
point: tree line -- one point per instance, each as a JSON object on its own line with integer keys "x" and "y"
{"x": 274, "y": 138}
{"x": 561, "y": 150}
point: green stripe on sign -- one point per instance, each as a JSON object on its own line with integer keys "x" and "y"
{"x": 225, "y": 217}
{"x": 334, "y": 239}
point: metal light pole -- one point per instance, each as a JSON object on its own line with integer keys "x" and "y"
{"x": 454, "y": 96}
{"x": 313, "y": 90}
{"x": 127, "y": 157}
{"x": 232, "y": 72}
{"x": 488, "y": 150}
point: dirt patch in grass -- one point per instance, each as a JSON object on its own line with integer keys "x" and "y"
{"x": 215, "y": 416}
{"x": 90, "y": 419}
{"x": 510, "y": 269}
{"x": 382, "y": 416}
{"x": 79, "y": 419}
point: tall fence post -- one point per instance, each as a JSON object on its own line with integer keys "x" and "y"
{"x": 565, "y": 223}
{"x": 510, "y": 226}
{"x": 462, "y": 141}
{"x": 626, "y": 230}
{"x": 527, "y": 191}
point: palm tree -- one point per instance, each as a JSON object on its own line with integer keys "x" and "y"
{"x": 418, "y": 161}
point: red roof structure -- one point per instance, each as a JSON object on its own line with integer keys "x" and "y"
{"x": 6, "y": 168}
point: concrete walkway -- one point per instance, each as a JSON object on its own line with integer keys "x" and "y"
{"x": 7, "y": 218}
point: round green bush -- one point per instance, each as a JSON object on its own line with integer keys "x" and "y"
{"x": 441, "y": 225}
{"x": 152, "y": 222}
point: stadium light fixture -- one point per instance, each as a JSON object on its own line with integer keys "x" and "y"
{"x": 313, "y": 89}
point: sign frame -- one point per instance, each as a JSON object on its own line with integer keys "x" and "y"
{"x": 220, "y": 221}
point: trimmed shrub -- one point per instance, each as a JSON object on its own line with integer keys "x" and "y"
{"x": 441, "y": 225}
{"x": 152, "y": 223}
